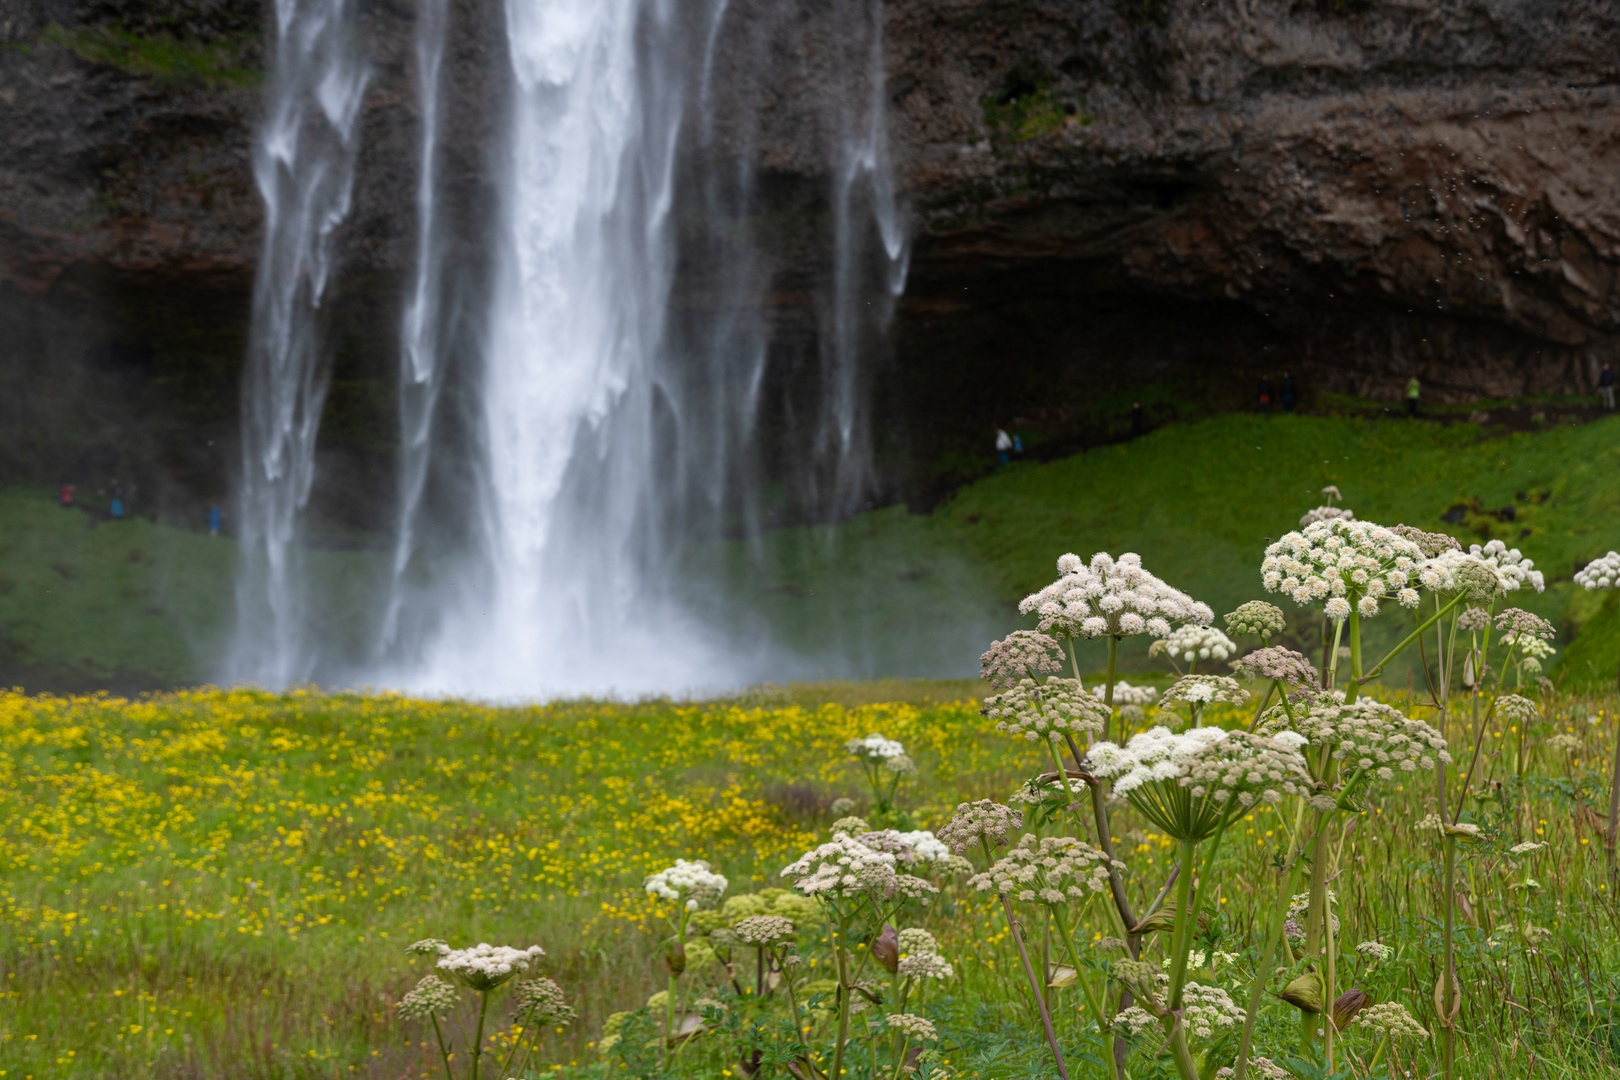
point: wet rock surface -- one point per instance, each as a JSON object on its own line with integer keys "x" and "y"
{"x": 1108, "y": 200}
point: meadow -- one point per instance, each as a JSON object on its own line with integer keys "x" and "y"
{"x": 223, "y": 883}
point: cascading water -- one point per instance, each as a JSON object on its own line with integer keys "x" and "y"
{"x": 603, "y": 438}
{"x": 304, "y": 165}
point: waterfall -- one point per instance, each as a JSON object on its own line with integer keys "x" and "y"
{"x": 304, "y": 164}
{"x": 421, "y": 374}
{"x": 605, "y": 438}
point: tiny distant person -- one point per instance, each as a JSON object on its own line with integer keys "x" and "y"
{"x": 213, "y": 520}
{"x": 1289, "y": 394}
{"x": 65, "y": 497}
{"x": 1136, "y": 419}
{"x": 1018, "y": 446}
{"x": 1265, "y": 393}
{"x": 1413, "y": 389}
{"x": 1003, "y": 444}
{"x": 1606, "y": 385}
{"x": 116, "y": 508}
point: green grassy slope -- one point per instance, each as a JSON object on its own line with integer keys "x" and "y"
{"x": 1197, "y": 502}
{"x": 896, "y": 594}
{"x": 100, "y": 603}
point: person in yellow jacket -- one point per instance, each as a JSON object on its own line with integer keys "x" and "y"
{"x": 1413, "y": 388}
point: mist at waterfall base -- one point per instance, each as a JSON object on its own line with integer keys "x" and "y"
{"x": 586, "y": 470}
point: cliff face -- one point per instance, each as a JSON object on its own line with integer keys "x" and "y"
{"x": 1103, "y": 195}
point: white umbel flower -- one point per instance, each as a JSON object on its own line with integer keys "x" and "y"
{"x": 1126, "y": 694}
{"x": 1391, "y": 1019}
{"x": 1364, "y": 735}
{"x": 1050, "y": 870}
{"x": 1110, "y": 597}
{"x": 1187, "y": 784}
{"x": 1518, "y": 570}
{"x": 1190, "y": 644}
{"x": 875, "y": 748}
{"x": 1340, "y": 563}
{"x": 484, "y": 967}
{"x": 846, "y": 867}
{"x": 1601, "y": 573}
{"x": 690, "y": 882}
{"x": 1033, "y": 711}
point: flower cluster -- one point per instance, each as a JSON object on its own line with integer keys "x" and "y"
{"x": 1391, "y": 1020}
{"x": 1518, "y": 570}
{"x": 1529, "y": 847}
{"x": 982, "y": 820}
{"x": 763, "y": 929}
{"x": 1193, "y": 643}
{"x": 1050, "y": 870}
{"x": 1326, "y": 513}
{"x": 1375, "y": 949}
{"x": 919, "y": 956}
{"x": 484, "y": 967}
{"x": 1454, "y": 571}
{"x": 1520, "y": 710}
{"x": 1110, "y": 598}
{"x": 432, "y": 997}
{"x": 1135, "y": 1020}
{"x": 1125, "y": 694}
{"x": 1258, "y": 618}
{"x": 1202, "y": 690}
{"x": 1188, "y": 783}
{"x": 1034, "y": 711}
{"x": 1343, "y": 563}
{"x": 1465, "y": 830}
{"x": 1205, "y": 1008}
{"x": 1023, "y": 654}
{"x": 846, "y": 867}
{"x": 1516, "y": 623}
{"x": 542, "y": 1002}
{"x": 1473, "y": 620}
{"x": 908, "y": 848}
{"x": 1364, "y": 734}
{"x": 1431, "y": 544}
{"x": 912, "y": 1026}
{"x": 692, "y": 882}
{"x": 1601, "y": 573}
{"x": 1564, "y": 743}
{"x": 1283, "y": 665}
{"x": 1262, "y": 1068}
{"x": 886, "y": 754}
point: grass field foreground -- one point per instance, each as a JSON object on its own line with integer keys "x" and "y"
{"x": 222, "y": 883}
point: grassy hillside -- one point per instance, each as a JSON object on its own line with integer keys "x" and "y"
{"x": 895, "y": 594}
{"x": 1198, "y": 502}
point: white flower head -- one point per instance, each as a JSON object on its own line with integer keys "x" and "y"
{"x": 1187, "y": 784}
{"x": 1035, "y": 711}
{"x": 692, "y": 883}
{"x": 1365, "y": 736}
{"x": 1053, "y": 870}
{"x": 1191, "y": 644}
{"x": 1518, "y": 570}
{"x": 875, "y": 749}
{"x": 484, "y": 967}
{"x": 847, "y": 866}
{"x": 1125, "y": 694}
{"x": 1340, "y": 563}
{"x": 1601, "y": 573}
{"x": 1110, "y": 597}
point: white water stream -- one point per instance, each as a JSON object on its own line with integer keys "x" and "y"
{"x": 304, "y": 163}
{"x": 596, "y": 442}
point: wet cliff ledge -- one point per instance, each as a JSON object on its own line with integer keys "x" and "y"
{"x": 1104, "y": 195}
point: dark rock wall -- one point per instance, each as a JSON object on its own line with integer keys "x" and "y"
{"x": 1110, "y": 199}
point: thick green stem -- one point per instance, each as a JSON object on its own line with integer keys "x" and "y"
{"x": 1614, "y": 803}
{"x": 1108, "y": 688}
{"x": 1354, "y": 688}
{"x": 1181, "y": 937}
{"x": 1079, "y": 970}
{"x": 1447, "y": 989}
{"x": 1268, "y": 958}
{"x": 1034, "y": 988}
{"x": 1186, "y": 1067}
{"x": 443, "y": 1051}
{"x": 842, "y": 963}
{"x": 1272, "y": 689}
{"x": 1378, "y": 668}
{"x": 478, "y": 1039}
{"x": 1333, "y": 657}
